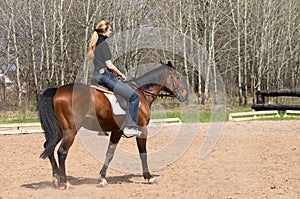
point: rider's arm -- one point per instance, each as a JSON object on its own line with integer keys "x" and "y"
{"x": 114, "y": 69}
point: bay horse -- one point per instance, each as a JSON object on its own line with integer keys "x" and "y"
{"x": 64, "y": 110}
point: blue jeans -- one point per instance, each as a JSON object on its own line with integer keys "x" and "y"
{"x": 109, "y": 80}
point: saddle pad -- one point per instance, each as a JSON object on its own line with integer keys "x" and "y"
{"x": 101, "y": 89}
{"x": 117, "y": 110}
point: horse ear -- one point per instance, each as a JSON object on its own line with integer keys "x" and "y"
{"x": 170, "y": 64}
{"x": 162, "y": 62}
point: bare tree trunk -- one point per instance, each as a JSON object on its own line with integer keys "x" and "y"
{"x": 236, "y": 22}
{"x": 193, "y": 31}
{"x": 199, "y": 55}
{"x": 182, "y": 30}
{"x": 86, "y": 33}
{"x": 7, "y": 57}
{"x": 240, "y": 79}
{"x": 293, "y": 53}
{"x": 3, "y": 86}
{"x": 126, "y": 26}
{"x": 200, "y": 65}
{"x": 53, "y": 44}
{"x": 209, "y": 37}
{"x": 33, "y": 57}
{"x": 245, "y": 82}
{"x": 207, "y": 48}
{"x": 61, "y": 37}
{"x": 254, "y": 54}
{"x": 262, "y": 46}
{"x": 18, "y": 69}
{"x": 45, "y": 46}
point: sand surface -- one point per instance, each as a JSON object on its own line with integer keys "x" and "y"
{"x": 253, "y": 159}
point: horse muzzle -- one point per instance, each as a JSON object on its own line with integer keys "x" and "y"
{"x": 182, "y": 97}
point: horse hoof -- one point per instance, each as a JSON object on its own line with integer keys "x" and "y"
{"x": 55, "y": 183}
{"x": 65, "y": 186}
{"x": 103, "y": 182}
{"x": 152, "y": 180}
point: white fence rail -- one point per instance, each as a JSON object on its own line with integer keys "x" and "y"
{"x": 166, "y": 121}
{"x": 20, "y": 128}
{"x": 252, "y": 115}
{"x": 292, "y": 113}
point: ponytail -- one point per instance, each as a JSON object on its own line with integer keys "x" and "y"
{"x": 101, "y": 28}
{"x": 92, "y": 45}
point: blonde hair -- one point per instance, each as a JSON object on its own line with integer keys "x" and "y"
{"x": 102, "y": 27}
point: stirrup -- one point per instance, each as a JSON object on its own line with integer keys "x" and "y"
{"x": 130, "y": 132}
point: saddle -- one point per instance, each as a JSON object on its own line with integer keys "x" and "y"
{"x": 119, "y": 104}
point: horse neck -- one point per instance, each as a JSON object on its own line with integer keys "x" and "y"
{"x": 152, "y": 83}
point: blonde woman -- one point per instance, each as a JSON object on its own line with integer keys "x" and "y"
{"x": 107, "y": 74}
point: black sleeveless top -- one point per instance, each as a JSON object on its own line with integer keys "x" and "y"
{"x": 102, "y": 54}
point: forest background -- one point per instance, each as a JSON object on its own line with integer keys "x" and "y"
{"x": 254, "y": 44}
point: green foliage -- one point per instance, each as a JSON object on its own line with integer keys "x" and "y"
{"x": 24, "y": 120}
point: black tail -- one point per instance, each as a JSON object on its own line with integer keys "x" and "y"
{"x": 49, "y": 122}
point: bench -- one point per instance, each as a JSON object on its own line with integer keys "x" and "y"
{"x": 253, "y": 115}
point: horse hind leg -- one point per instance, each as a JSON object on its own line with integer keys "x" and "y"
{"x": 62, "y": 153}
{"x": 55, "y": 169}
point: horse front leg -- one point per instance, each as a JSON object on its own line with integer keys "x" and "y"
{"x": 141, "y": 143}
{"x": 114, "y": 140}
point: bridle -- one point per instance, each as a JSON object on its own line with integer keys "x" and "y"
{"x": 161, "y": 95}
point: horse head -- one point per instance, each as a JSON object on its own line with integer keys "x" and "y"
{"x": 174, "y": 84}
{"x": 164, "y": 78}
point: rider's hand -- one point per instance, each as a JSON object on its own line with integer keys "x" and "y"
{"x": 123, "y": 77}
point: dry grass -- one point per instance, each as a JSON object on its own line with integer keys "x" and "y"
{"x": 10, "y": 112}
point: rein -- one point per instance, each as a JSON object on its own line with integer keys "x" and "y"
{"x": 161, "y": 95}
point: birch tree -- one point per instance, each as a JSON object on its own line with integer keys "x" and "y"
{"x": 236, "y": 22}
{"x": 5, "y": 51}
{"x": 246, "y": 68}
{"x": 33, "y": 52}
{"x": 16, "y": 54}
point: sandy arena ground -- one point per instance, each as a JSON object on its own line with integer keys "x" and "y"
{"x": 255, "y": 159}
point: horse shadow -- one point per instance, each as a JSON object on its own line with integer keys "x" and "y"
{"x": 76, "y": 181}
